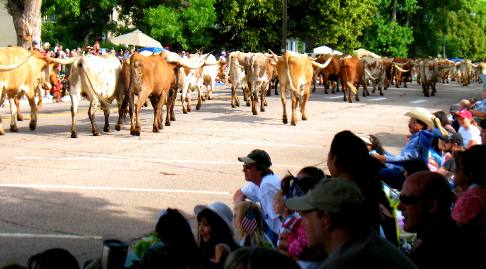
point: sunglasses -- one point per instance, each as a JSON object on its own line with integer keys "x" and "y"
{"x": 409, "y": 199}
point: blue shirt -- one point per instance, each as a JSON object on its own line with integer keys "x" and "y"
{"x": 417, "y": 147}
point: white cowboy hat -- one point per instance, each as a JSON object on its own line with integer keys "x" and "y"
{"x": 422, "y": 115}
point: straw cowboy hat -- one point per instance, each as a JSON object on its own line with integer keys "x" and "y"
{"x": 422, "y": 115}
{"x": 426, "y": 117}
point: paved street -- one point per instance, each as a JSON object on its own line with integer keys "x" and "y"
{"x": 56, "y": 191}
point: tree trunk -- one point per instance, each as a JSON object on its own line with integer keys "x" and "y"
{"x": 394, "y": 10}
{"x": 27, "y": 20}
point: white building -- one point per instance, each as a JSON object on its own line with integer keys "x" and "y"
{"x": 8, "y": 36}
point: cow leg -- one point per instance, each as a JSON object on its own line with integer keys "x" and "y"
{"x": 188, "y": 100}
{"x": 433, "y": 89}
{"x": 74, "y": 111}
{"x": 20, "y": 117}
{"x": 121, "y": 113}
{"x": 343, "y": 87}
{"x": 158, "y": 113}
{"x": 234, "y": 96}
{"x": 276, "y": 86}
{"x": 293, "y": 120}
{"x": 254, "y": 100}
{"x": 154, "y": 101}
{"x": 170, "y": 103}
{"x": 91, "y": 113}
{"x": 246, "y": 95}
{"x": 135, "y": 130}
{"x": 283, "y": 94}
{"x": 303, "y": 103}
{"x": 199, "y": 98}
{"x": 184, "y": 99}
{"x": 13, "y": 114}
{"x": 263, "y": 99}
{"x": 106, "y": 112}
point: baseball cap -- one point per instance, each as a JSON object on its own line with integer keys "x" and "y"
{"x": 257, "y": 156}
{"x": 464, "y": 114}
{"x": 454, "y": 108}
{"x": 455, "y": 138}
{"x": 333, "y": 195}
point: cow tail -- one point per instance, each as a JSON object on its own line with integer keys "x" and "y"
{"x": 84, "y": 71}
{"x": 287, "y": 67}
{"x": 349, "y": 84}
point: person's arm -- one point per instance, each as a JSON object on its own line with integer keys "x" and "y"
{"x": 478, "y": 113}
{"x": 380, "y": 157}
{"x": 239, "y": 196}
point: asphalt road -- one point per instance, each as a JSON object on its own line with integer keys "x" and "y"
{"x": 56, "y": 191}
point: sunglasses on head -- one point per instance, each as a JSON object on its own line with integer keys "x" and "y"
{"x": 409, "y": 199}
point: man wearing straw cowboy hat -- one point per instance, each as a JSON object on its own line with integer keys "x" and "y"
{"x": 424, "y": 127}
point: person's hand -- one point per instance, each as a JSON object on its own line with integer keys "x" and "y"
{"x": 221, "y": 251}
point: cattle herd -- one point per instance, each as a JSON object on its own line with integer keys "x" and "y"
{"x": 161, "y": 77}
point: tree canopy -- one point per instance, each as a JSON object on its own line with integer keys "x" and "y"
{"x": 412, "y": 28}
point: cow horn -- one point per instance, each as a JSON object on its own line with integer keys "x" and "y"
{"x": 399, "y": 69}
{"x": 369, "y": 74}
{"x": 172, "y": 57}
{"x": 321, "y": 66}
{"x": 402, "y": 64}
{"x": 63, "y": 61}
{"x": 9, "y": 67}
{"x": 189, "y": 64}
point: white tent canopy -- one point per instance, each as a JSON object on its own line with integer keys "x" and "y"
{"x": 136, "y": 38}
{"x": 326, "y": 50}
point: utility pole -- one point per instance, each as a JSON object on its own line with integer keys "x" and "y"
{"x": 284, "y": 26}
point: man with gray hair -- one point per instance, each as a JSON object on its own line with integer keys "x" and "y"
{"x": 333, "y": 217}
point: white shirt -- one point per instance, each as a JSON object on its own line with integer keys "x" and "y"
{"x": 472, "y": 133}
{"x": 264, "y": 195}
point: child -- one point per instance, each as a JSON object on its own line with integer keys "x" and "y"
{"x": 248, "y": 222}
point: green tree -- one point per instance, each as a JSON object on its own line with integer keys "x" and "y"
{"x": 250, "y": 25}
{"x": 335, "y": 23}
{"x": 79, "y": 22}
{"x": 390, "y": 34}
{"x": 182, "y": 26}
{"x": 460, "y": 23}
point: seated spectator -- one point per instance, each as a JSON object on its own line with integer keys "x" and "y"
{"x": 450, "y": 145}
{"x": 177, "y": 247}
{"x": 54, "y": 258}
{"x": 335, "y": 222}
{"x": 425, "y": 202}
{"x": 248, "y": 222}
{"x": 444, "y": 121}
{"x": 469, "y": 132}
{"x": 479, "y": 108}
{"x": 215, "y": 233}
{"x": 424, "y": 128}
{"x": 261, "y": 188}
{"x": 349, "y": 159}
{"x": 470, "y": 208}
{"x": 482, "y": 124}
{"x": 292, "y": 237}
{"x": 258, "y": 258}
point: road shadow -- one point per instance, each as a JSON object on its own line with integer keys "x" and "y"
{"x": 42, "y": 212}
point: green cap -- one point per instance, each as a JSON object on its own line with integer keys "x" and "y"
{"x": 257, "y": 156}
{"x": 331, "y": 195}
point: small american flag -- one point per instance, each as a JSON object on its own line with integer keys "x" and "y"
{"x": 249, "y": 223}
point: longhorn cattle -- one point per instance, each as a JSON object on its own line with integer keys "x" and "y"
{"x": 402, "y": 70}
{"x": 190, "y": 80}
{"x": 22, "y": 72}
{"x": 446, "y": 69}
{"x": 375, "y": 70}
{"x": 351, "y": 73}
{"x": 236, "y": 71}
{"x": 295, "y": 72}
{"x": 96, "y": 79}
{"x": 157, "y": 76}
{"x": 330, "y": 73}
{"x": 209, "y": 73}
{"x": 464, "y": 70}
{"x": 429, "y": 73}
{"x": 258, "y": 77}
